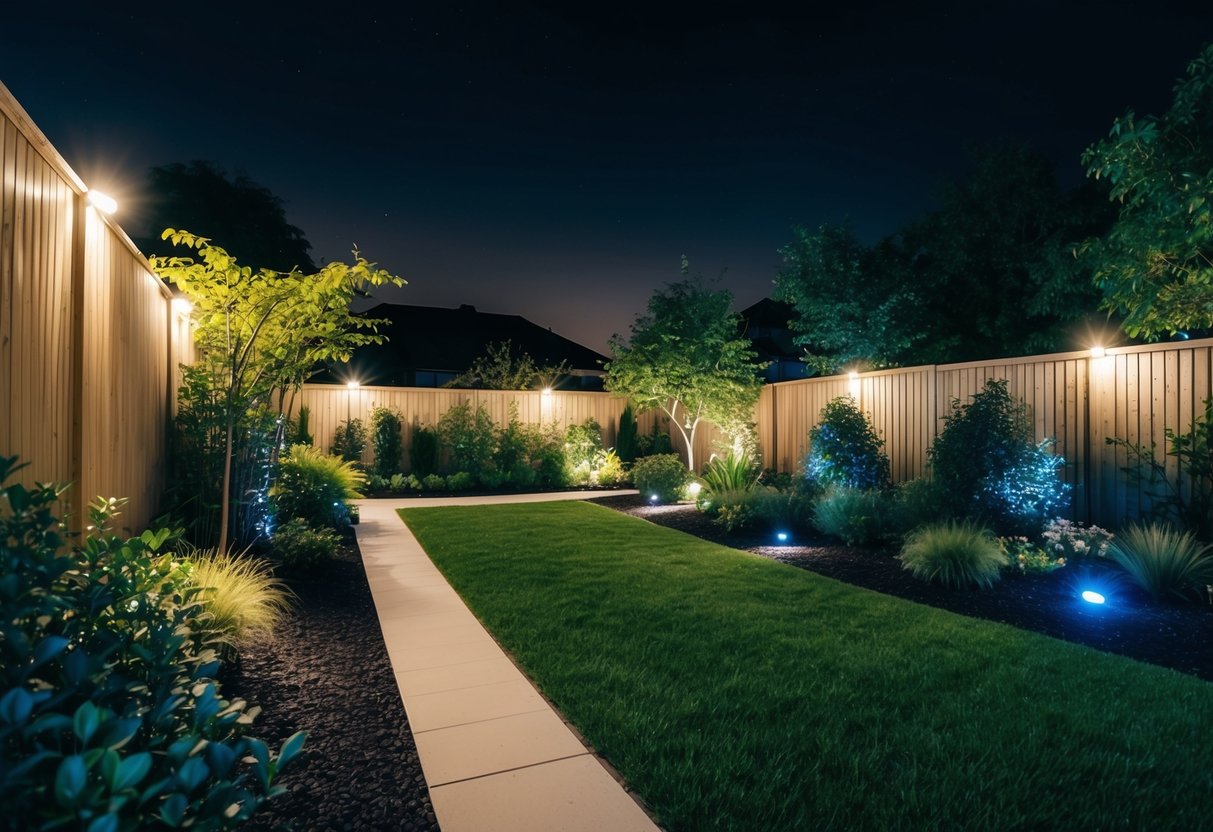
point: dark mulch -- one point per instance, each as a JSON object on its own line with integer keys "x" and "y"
{"x": 326, "y": 671}
{"x": 1174, "y": 634}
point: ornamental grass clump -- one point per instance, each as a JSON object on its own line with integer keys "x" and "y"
{"x": 954, "y": 554}
{"x": 316, "y": 487}
{"x": 239, "y": 593}
{"x": 735, "y": 472}
{"x": 854, "y": 516}
{"x": 1162, "y": 560}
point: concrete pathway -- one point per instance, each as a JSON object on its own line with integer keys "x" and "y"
{"x": 495, "y": 755}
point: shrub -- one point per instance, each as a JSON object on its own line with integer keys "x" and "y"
{"x": 915, "y": 503}
{"x": 582, "y": 443}
{"x": 386, "y": 441}
{"x": 471, "y": 438}
{"x": 1162, "y": 560}
{"x": 654, "y": 443}
{"x": 376, "y": 484}
{"x": 625, "y": 440}
{"x": 662, "y": 475}
{"x": 761, "y": 507}
{"x": 954, "y": 554}
{"x": 1071, "y": 540}
{"x": 413, "y": 483}
{"x": 298, "y": 546}
{"x": 549, "y": 464}
{"x": 350, "y": 440}
{"x": 239, "y": 593}
{"x": 515, "y": 443}
{"x": 987, "y": 463}
{"x": 734, "y": 472}
{"x": 461, "y": 481}
{"x": 433, "y": 482}
{"x": 315, "y": 487}
{"x": 608, "y": 468}
{"x": 853, "y": 516}
{"x": 399, "y": 483}
{"x": 423, "y": 451}
{"x": 107, "y": 685}
{"x": 1027, "y": 558}
{"x": 845, "y": 450}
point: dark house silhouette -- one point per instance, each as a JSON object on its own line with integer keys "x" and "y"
{"x": 766, "y": 325}
{"x": 428, "y": 346}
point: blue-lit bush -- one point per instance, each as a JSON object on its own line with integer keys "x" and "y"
{"x": 990, "y": 468}
{"x": 844, "y": 449}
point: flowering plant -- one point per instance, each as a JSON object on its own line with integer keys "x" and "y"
{"x": 1026, "y": 557}
{"x": 1067, "y": 539}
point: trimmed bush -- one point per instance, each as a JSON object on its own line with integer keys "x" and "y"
{"x": 423, "y": 451}
{"x": 386, "y": 441}
{"x": 954, "y": 554}
{"x": 433, "y": 482}
{"x": 349, "y": 441}
{"x": 992, "y": 470}
{"x": 315, "y": 487}
{"x": 845, "y": 450}
{"x": 298, "y": 546}
{"x": 662, "y": 475}
{"x": 1162, "y": 560}
{"x": 461, "y": 481}
{"x": 240, "y": 593}
{"x": 853, "y": 516}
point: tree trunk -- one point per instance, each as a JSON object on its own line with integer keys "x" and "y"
{"x": 225, "y": 502}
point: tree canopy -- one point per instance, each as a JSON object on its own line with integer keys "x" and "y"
{"x": 1155, "y": 266}
{"x": 686, "y": 358}
{"x": 500, "y": 368}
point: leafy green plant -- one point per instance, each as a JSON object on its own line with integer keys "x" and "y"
{"x": 854, "y": 516}
{"x": 655, "y": 442}
{"x": 915, "y": 503}
{"x": 549, "y": 464}
{"x": 845, "y": 450}
{"x": 433, "y": 482}
{"x": 349, "y": 441}
{"x": 386, "y": 441}
{"x": 582, "y": 443}
{"x": 399, "y": 484}
{"x": 240, "y": 594}
{"x": 993, "y": 472}
{"x": 423, "y": 450}
{"x": 1162, "y": 560}
{"x": 626, "y": 438}
{"x": 301, "y": 435}
{"x": 608, "y": 468}
{"x": 471, "y": 438}
{"x": 376, "y": 484}
{"x": 954, "y": 554}
{"x": 1027, "y": 558}
{"x": 298, "y": 546}
{"x": 735, "y": 516}
{"x": 662, "y": 476}
{"x": 460, "y": 481}
{"x": 110, "y": 715}
{"x": 735, "y": 472}
{"x": 315, "y": 487}
{"x": 761, "y": 507}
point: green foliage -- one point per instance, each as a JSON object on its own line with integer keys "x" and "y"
{"x": 423, "y": 451}
{"x": 656, "y": 441}
{"x": 1163, "y": 561}
{"x": 240, "y": 594}
{"x": 759, "y": 507}
{"x": 1074, "y": 541}
{"x": 992, "y": 471}
{"x": 735, "y": 472}
{"x": 501, "y": 369}
{"x": 349, "y": 440}
{"x": 608, "y": 469}
{"x": 662, "y": 475}
{"x": 471, "y": 438}
{"x": 302, "y": 433}
{"x": 845, "y": 450}
{"x": 549, "y": 465}
{"x": 461, "y": 481}
{"x": 582, "y": 442}
{"x": 685, "y": 357}
{"x": 298, "y": 546}
{"x": 1155, "y": 266}
{"x": 626, "y": 439}
{"x": 433, "y": 482}
{"x": 399, "y": 483}
{"x": 1188, "y": 498}
{"x": 110, "y": 715}
{"x": 954, "y": 554}
{"x": 259, "y": 333}
{"x": 315, "y": 487}
{"x": 1026, "y": 558}
{"x": 386, "y": 441}
{"x": 854, "y": 516}
{"x": 916, "y": 503}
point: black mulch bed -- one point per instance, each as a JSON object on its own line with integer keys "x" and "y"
{"x": 326, "y": 671}
{"x": 1172, "y": 634}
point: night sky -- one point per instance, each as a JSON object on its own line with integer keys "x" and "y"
{"x": 556, "y": 162}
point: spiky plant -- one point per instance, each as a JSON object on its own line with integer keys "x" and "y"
{"x": 1162, "y": 560}
{"x": 241, "y": 595}
{"x": 315, "y": 486}
{"x": 954, "y": 554}
{"x": 734, "y": 472}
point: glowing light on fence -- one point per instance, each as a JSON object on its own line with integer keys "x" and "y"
{"x": 1092, "y": 597}
{"x": 1098, "y": 352}
{"x": 182, "y": 306}
{"x": 853, "y": 384}
{"x": 102, "y": 202}
{"x": 547, "y": 391}
{"x": 353, "y": 385}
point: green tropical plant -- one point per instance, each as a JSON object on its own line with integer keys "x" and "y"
{"x": 854, "y": 516}
{"x": 734, "y": 472}
{"x": 1162, "y": 560}
{"x": 240, "y": 594}
{"x": 349, "y": 440}
{"x": 110, "y": 715}
{"x": 662, "y": 476}
{"x": 298, "y": 546}
{"x": 315, "y": 487}
{"x": 386, "y": 441}
{"x": 845, "y": 450}
{"x": 399, "y": 483}
{"x": 954, "y": 554}
{"x": 626, "y": 438}
{"x": 608, "y": 468}
{"x": 423, "y": 451}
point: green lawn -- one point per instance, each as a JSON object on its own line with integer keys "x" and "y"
{"x": 734, "y": 692}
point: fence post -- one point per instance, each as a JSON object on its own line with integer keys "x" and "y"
{"x": 77, "y": 500}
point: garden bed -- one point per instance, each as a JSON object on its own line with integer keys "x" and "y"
{"x": 1171, "y": 634}
{"x": 326, "y": 671}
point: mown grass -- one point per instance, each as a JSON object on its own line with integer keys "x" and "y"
{"x": 737, "y": 693}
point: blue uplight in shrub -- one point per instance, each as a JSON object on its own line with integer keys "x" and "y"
{"x": 652, "y": 498}
{"x": 782, "y": 537}
{"x": 1092, "y": 597}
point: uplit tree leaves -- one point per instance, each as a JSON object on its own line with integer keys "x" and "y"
{"x": 1155, "y": 266}
{"x": 686, "y": 358}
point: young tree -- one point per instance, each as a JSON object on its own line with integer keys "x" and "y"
{"x": 261, "y": 332}
{"x": 499, "y": 368}
{"x": 686, "y": 358}
{"x": 1156, "y": 264}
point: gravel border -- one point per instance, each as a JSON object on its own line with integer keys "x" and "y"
{"x": 326, "y": 671}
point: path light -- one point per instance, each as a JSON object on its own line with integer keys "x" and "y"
{"x": 1092, "y": 597}
{"x": 693, "y": 489}
{"x": 102, "y": 202}
{"x": 782, "y": 537}
{"x": 652, "y": 498}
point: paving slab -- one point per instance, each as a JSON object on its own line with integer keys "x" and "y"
{"x": 496, "y": 756}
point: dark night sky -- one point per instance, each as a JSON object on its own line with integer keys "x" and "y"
{"x": 555, "y": 162}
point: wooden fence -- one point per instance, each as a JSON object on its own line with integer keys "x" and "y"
{"x": 89, "y": 338}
